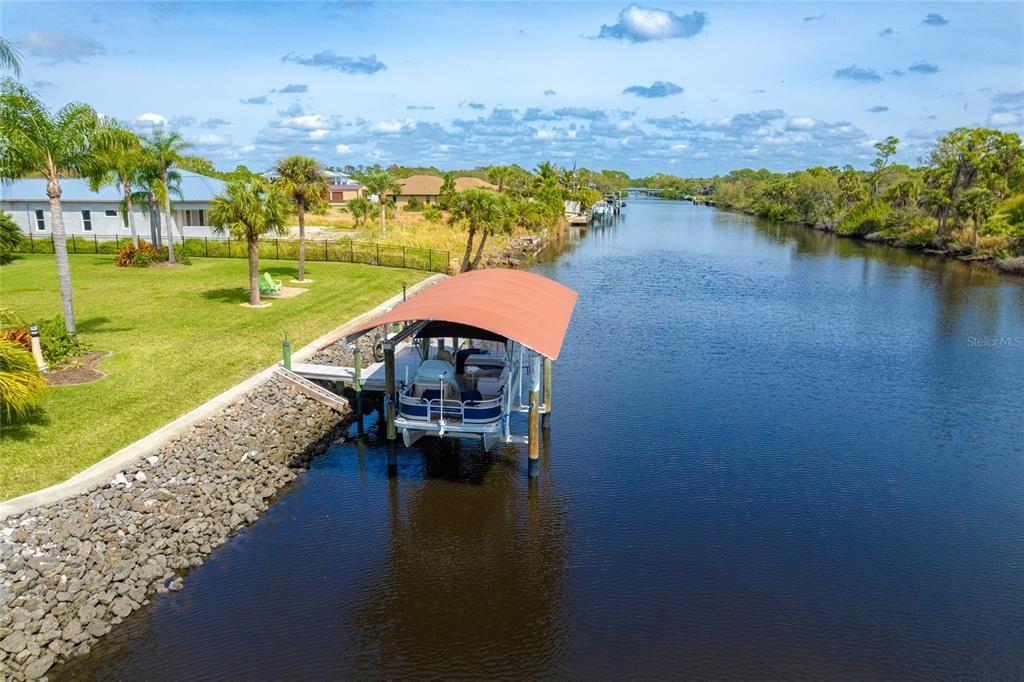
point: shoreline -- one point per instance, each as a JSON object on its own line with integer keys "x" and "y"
{"x": 1013, "y": 266}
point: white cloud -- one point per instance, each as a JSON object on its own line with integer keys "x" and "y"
{"x": 212, "y": 140}
{"x": 679, "y": 147}
{"x": 319, "y": 133}
{"x": 801, "y": 122}
{"x": 393, "y": 126}
{"x": 308, "y": 121}
{"x": 1004, "y": 119}
{"x": 247, "y": 148}
{"x": 343, "y": 149}
{"x": 545, "y": 134}
{"x": 151, "y": 119}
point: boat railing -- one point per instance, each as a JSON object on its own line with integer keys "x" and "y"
{"x": 442, "y": 409}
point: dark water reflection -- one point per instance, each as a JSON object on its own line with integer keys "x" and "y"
{"x": 774, "y": 454}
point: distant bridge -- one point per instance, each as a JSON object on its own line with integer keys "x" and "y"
{"x": 642, "y": 191}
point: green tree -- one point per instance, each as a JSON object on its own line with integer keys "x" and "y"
{"x": 122, "y": 163}
{"x": 249, "y": 209}
{"x": 166, "y": 149}
{"x": 53, "y": 144}
{"x": 480, "y": 211}
{"x": 381, "y": 183}
{"x": 978, "y": 203}
{"x": 303, "y": 180}
{"x": 361, "y": 210}
{"x": 886, "y": 149}
{"x": 9, "y": 57}
{"x": 446, "y": 195}
{"x": 500, "y": 176}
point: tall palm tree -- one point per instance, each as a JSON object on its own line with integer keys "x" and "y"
{"x": 249, "y": 209}
{"x": 303, "y": 180}
{"x": 122, "y": 164}
{"x": 547, "y": 173}
{"x": 480, "y": 211}
{"x": 381, "y": 183}
{"x": 167, "y": 151}
{"x": 54, "y": 144}
{"x": 9, "y": 57}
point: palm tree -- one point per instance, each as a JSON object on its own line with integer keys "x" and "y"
{"x": 165, "y": 148}
{"x": 480, "y": 210}
{"x": 361, "y": 209}
{"x": 500, "y": 176}
{"x": 381, "y": 183}
{"x": 547, "y": 173}
{"x": 303, "y": 180}
{"x": 55, "y": 145}
{"x": 9, "y": 57}
{"x": 122, "y": 164}
{"x": 977, "y": 203}
{"x": 249, "y": 209}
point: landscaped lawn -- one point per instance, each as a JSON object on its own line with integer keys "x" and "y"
{"x": 178, "y": 337}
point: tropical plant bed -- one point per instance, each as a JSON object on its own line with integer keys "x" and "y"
{"x": 82, "y": 371}
{"x": 178, "y": 338}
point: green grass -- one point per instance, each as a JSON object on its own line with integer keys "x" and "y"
{"x": 178, "y": 336}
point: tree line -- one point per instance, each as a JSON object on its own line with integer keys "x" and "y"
{"x": 966, "y": 195}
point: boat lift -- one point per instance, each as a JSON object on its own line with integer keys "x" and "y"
{"x": 521, "y": 316}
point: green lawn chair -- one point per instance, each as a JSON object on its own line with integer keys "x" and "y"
{"x": 269, "y": 285}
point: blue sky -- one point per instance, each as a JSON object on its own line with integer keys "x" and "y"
{"x": 691, "y": 89}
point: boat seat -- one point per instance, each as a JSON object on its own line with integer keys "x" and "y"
{"x": 443, "y": 355}
{"x": 488, "y": 385}
{"x": 471, "y": 396}
{"x": 460, "y": 358}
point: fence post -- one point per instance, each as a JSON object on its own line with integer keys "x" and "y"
{"x": 95, "y": 243}
{"x": 430, "y": 261}
{"x": 277, "y": 248}
{"x": 229, "y": 247}
{"x": 74, "y": 244}
{"x": 325, "y": 251}
{"x": 206, "y": 246}
{"x": 31, "y": 243}
{"x": 403, "y": 257}
{"x": 116, "y": 247}
{"x": 351, "y": 252}
{"x": 378, "y": 254}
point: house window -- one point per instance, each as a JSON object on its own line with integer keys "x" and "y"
{"x": 40, "y": 221}
{"x": 195, "y": 217}
{"x": 87, "y": 221}
{"x": 110, "y": 213}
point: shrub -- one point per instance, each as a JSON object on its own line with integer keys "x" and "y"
{"x": 131, "y": 256}
{"x": 1013, "y": 210}
{"x": 865, "y": 217}
{"x": 22, "y": 386}
{"x": 58, "y": 343}
{"x": 414, "y": 204}
{"x": 432, "y": 214}
{"x": 10, "y": 237}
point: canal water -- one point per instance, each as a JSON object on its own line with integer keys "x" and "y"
{"x": 773, "y": 454}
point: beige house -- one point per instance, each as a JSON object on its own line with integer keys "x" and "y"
{"x": 340, "y": 192}
{"x": 425, "y": 188}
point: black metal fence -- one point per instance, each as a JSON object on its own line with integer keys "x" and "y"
{"x": 324, "y": 250}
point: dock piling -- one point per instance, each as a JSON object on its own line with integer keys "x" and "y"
{"x": 389, "y": 388}
{"x": 286, "y": 349}
{"x": 534, "y": 422}
{"x": 547, "y": 393}
{"x": 357, "y": 385}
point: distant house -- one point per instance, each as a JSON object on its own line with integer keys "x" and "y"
{"x": 100, "y": 213}
{"x": 425, "y": 188}
{"x": 345, "y": 190}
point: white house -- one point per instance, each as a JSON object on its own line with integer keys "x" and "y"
{"x": 100, "y": 213}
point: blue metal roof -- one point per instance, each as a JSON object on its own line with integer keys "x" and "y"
{"x": 194, "y": 187}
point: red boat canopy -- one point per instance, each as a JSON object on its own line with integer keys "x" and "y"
{"x": 522, "y": 306}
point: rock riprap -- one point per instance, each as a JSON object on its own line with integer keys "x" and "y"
{"x": 71, "y": 570}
